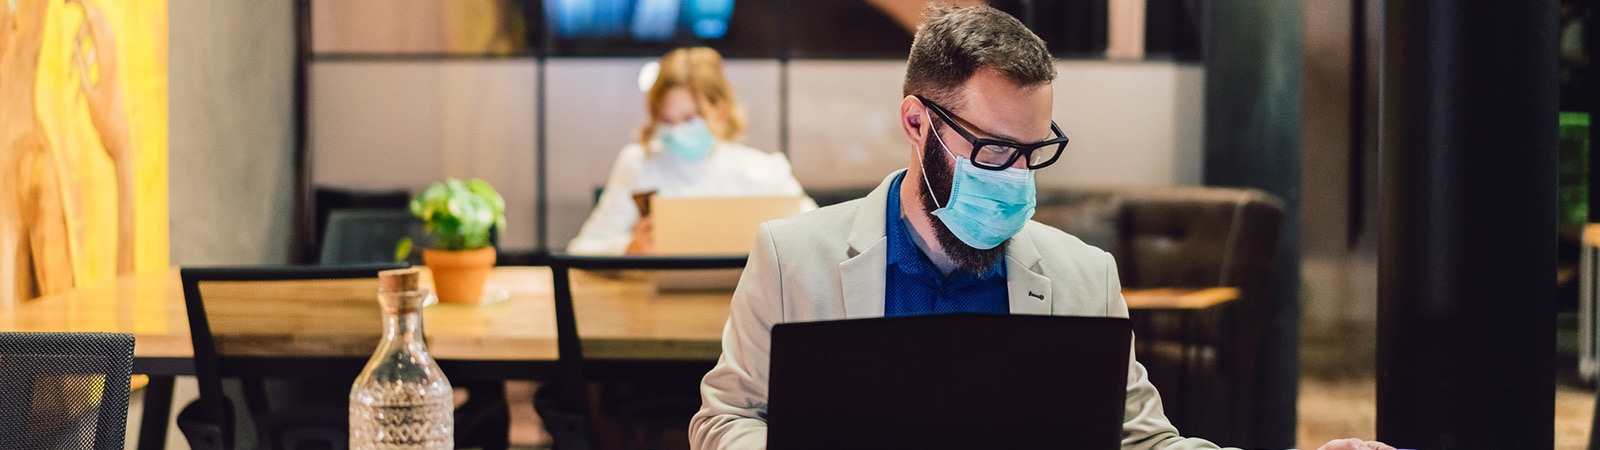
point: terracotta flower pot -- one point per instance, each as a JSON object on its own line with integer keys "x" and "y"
{"x": 458, "y": 276}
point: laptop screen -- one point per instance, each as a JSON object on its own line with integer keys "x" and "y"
{"x": 949, "y": 381}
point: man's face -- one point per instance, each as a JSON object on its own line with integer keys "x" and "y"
{"x": 940, "y": 170}
{"x": 991, "y": 107}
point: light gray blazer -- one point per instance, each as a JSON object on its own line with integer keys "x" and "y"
{"x": 801, "y": 270}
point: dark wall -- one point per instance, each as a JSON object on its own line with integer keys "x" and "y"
{"x": 1252, "y": 139}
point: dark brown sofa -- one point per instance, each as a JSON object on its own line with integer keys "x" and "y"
{"x": 1182, "y": 237}
{"x": 1189, "y": 237}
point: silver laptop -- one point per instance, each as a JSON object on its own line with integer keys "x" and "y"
{"x": 715, "y": 225}
{"x": 711, "y": 226}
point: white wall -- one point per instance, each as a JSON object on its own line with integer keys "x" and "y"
{"x": 1131, "y": 123}
{"x": 405, "y": 124}
{"x": 843, "y": 122}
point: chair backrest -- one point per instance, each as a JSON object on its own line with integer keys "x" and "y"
{"x": 837, "y": 195}
{"x": 366, "y": 235}
{"x": 1594, "y": 428}
{"x": 327, "y": 199}
{"x": 1199, "y": 236}
{"x": 1208, "y": 236}
{"x": 276, "y": 317}
{"x": 569, "y": 365}
{"x": 64, "y": 390}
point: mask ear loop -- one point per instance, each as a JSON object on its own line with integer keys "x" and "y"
{"x": 935, "y": 130}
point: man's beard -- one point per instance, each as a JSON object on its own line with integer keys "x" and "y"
{"x": 938, "y": 173}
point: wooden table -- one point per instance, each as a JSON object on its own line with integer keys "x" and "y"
{"x": 1190, "y": 305}
{"x": 1179, "y": 298}
{"x": 621, "y": 315}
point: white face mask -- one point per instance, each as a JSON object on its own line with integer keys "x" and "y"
{"x": 986, "y": 207}
{"x": 689, "y": 141}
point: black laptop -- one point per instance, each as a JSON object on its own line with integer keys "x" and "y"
{"x": 963, "y": 381}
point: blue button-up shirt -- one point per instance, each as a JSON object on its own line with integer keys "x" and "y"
{"x": 915, "y": 286}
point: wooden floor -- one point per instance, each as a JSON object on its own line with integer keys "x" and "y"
{"x": 1338, "y": 390}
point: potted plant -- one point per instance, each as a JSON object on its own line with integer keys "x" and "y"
{"x": 458, "y": 217}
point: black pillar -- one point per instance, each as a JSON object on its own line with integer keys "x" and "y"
{"x": 1466, "y": 284}
{"x": 1252, "y": 139}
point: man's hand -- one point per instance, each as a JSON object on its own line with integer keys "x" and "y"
{"x": 1354, "y": 444}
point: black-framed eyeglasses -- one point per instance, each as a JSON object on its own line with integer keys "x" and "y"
{"x": 994, "y": 154}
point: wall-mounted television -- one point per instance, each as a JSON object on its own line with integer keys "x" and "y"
{"x": 639, "y": 20}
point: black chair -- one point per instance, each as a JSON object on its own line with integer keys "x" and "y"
{"x": 1594, "y": 428}
{"x": 208, "y": 422}
{"x": 367, "y": 235}
{"x": 564, "y": 404}
{"x": 326, "y": 199}
{"x": 321, "y": 418}
{"x": 64, "y": 390}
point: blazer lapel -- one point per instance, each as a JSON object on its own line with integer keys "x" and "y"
{"x": 862, "y": 276}
{"x": 1028, "y": 290}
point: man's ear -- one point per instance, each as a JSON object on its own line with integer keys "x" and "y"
{"x": 911, "y": 119}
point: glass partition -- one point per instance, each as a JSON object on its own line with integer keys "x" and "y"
{"x": 406, "y": 92}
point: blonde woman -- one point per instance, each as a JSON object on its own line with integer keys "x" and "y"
{"x": 687, "y": 148}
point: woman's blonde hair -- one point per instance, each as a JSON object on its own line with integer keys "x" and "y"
{"x": 698, "y": 69}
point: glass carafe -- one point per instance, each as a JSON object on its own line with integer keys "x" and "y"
{"x": 401, "y": 400}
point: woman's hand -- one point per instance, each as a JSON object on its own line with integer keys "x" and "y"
{"x": 1354, "y": 444}
{"x": 644, "y": 241}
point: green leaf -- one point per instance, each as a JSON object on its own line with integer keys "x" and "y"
{"x": 460, "y": 214}
{"x": 402, "y": 249}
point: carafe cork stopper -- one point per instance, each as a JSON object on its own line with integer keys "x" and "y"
{"x": 399, "y": 280}
{"x": 393, "y": 287}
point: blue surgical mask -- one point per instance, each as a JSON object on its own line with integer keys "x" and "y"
{"x": 986, "y": 206}
{"x": 689, "y": 141}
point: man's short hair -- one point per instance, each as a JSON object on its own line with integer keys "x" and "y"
{"x": 953, "y": 43}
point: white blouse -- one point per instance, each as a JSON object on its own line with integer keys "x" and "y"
{"x": 730, "y": 170}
